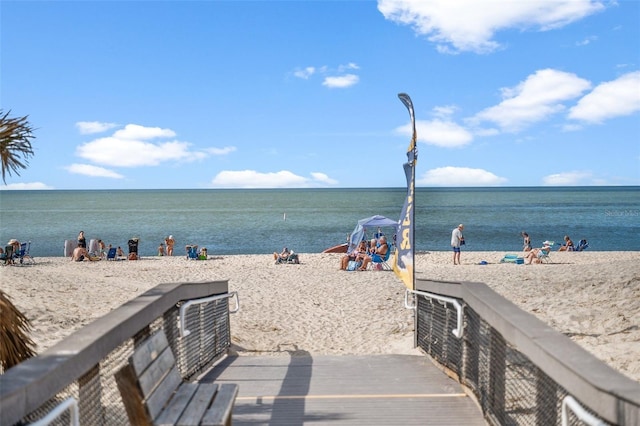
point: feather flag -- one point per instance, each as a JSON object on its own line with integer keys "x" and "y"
{"x": 403, "y": 264}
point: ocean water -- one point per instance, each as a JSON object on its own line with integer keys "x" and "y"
{"x": 310, "y": 220}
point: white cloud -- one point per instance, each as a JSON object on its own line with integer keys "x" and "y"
{"x": 116, "y": 152}
{"x": 341, "y": 82}
{"x": 135, "y": 132}
{"x": 349, "y": 66}
{"x": 587, "y": 41}
{"x": 322, "y": 177}
{"x": 538, "y": 97}
{"x": 25, "y": 186}
{"x": 567, "y": 178}
{"x": 131, "y": 147}
{"x": 611, "y": 99}
{"x": 461, "y": 25}
{"x": 443, "y": 133}
{"x": 459, "y": 176}
{"x": 93, "y": 171}
{"x": 444, "y": 111}
{"x": 332, "y": 77}
{"x": 437, "y": 132}
{"x": 90, "y": 127}
{"x": 221, "y": 151}
{"x": 304, "y": 73}
{"x": 281, "y": 179}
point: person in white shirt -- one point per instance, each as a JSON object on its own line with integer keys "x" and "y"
{"x": 456, "y": 241}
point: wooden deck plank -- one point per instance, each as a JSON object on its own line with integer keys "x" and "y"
{"x": 358, "y": 390}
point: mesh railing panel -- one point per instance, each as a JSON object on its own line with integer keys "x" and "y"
{"x": 510, "y": 389}
{"x": 435, "y": 336}
{"x": 208, "y": 340}
{"x": 99, "y": 400}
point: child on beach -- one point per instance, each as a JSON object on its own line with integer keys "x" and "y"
{"x": 161, "y": 250}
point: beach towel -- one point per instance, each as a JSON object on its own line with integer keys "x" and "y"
{"x": 512, "y": 258}
{"x": 353, "y": 265}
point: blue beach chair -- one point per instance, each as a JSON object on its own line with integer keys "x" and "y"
{"x": 111, "y": 254}
{"x": 379, "y": 263}
{"x": 582, "y": 245}
{"x": 23, "y": 254}
{"x": 192, "y": 252}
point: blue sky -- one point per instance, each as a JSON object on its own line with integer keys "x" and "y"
{"x": 277, "y": 94}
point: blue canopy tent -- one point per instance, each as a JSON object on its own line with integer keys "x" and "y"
{"x": 376, "y": 221}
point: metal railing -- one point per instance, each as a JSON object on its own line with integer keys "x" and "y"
{"x": 521, "y": 371}
{"x": 73, "y": 382}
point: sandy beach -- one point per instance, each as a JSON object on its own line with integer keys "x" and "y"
{"x": 593, "y": 297}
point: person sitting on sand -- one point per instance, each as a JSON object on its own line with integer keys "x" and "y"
{"x": 119, "y": 252}
{"x": 377, "y": 255}
{"x": 568, "y": 244}
{"x": 281, "y": 256}
{"x": 534, "y": 256}
{"x": 11, "y": 250}
{"x": 356, "y": 255}
{"x": 80, "y": 254}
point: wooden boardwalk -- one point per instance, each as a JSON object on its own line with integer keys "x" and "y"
{"x": 344, "y": 390}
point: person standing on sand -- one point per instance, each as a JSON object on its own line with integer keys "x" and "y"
{"x": 526, "y": 243}
{"x": 456, "y": 241}
{"x": 102, "y": 246}
{"x": 169, "y": 241}
{"x": 82, "y": 241}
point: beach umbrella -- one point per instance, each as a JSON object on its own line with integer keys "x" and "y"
{"x": 15, "y": 343}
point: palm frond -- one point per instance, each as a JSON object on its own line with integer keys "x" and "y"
{"x": 15, "y": 144}
{"x": 15, "y": 343}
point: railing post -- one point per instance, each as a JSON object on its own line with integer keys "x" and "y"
{"x": 497, "y": 367}
{"x": 471, "y": 352}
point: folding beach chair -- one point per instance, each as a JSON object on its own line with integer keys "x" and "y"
{"x": 582, "y": 245}
{"x": 111, "y": 254}
{"x": 543, "y": 254}
{"x": 380, "y": 263}
{"x": 192, "y": 252}
{"x": 23, "y": 254}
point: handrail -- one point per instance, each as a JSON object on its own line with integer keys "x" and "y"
{"x": 582, "y": 414}
{"x": 459, "y": 330}
{"x": 183, "y": 309}
{"x": 70, "y": 404}
{"x": 26, "y": 387}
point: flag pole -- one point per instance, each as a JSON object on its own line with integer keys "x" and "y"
{"x": 405, "y": 252}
